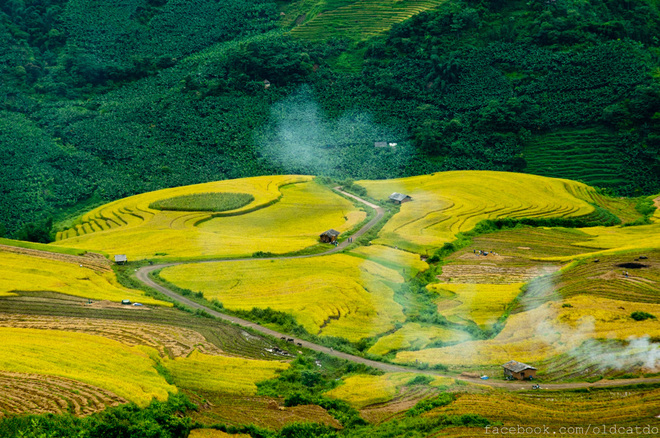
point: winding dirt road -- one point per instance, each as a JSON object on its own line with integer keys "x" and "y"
{"x": 143, "y": 275}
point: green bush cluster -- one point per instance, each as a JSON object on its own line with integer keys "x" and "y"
{"x": 204, "y": 202}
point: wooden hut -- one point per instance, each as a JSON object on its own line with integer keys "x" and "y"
{"x": 399, "y": 198}
{"x": 329, "y": 236}
{"x": 518, "y": 370}
{"x": 121, "y": 259}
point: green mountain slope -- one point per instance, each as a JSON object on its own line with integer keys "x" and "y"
{"x": 103, "y": 99}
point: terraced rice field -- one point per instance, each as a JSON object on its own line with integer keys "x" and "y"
{"x": 482, "y": 304}
{"x": 552, "y": 329}
{"x": 337, "y": 295}
{"x": 447, "y": 203}
{"x": 50, "y": 310}
{"x": 365, "y": 390}
{"x": 606, "y": 278}
{"x": 360, "y": 19}
{"x": 169, "y": 340}
{"x": 414, "y": 336}
{"x": 588, "y": 155}
{"x": 268, "y": 412}
{"x": 229, "y": 375}
{"x": 622, "y": 407}
{"x": 85, "y": 277}
{"x": 127, "y": 372}
{"x": 24, "y": 393}
{"x": 212, "y": 433}
{"x": 288, "y": 214}
{"x": 408, "y": 264}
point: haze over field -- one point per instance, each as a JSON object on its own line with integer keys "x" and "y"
{"x": 329, "y": 219}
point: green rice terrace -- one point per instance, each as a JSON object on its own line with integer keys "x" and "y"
{"x": 358, "y": 19}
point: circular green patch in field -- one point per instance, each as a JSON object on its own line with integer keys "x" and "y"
{"x": 204, "y": 202}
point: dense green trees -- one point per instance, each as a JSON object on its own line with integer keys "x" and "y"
{"x": 104, "y": 99}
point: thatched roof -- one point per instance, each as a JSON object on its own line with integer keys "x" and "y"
{"x": 332, "y": 233}
{"x": 516, "y": 367}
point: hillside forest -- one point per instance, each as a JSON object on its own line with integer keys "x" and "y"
{"x": 103, "y": 99}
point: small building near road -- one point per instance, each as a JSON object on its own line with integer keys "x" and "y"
{"x": 399, "y": 198}
{"x": 518, "y": 370}
{"x": 126, "y": 302}
{"x": 121, "y": 259}
{"x": 330, "y": 236}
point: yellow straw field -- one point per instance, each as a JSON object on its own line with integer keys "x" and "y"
{"x": 414, "y": 336}
{"x": 336, "y": 295}
{"x": 365, "y": 390}
{"x": 546, "y": 331}
{"x": 126, "y": 371}
{"x": 288, "y": 214}
{"x": 480, "y": 303}
{"x": 444, "y": 204}
{"x": 409, "y": 264}
{"x": 21, "y": 272}
{"x": 229, "y": 375}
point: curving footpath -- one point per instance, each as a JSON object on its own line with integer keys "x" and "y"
{"x": 143, "y": 275}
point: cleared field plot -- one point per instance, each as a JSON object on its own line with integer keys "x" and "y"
{"x": 38, "y": 394}
{"x": 125, "y": 371}
{"x": 336, "y": 295}
{"x": 629, "y": 407}
{"x": 408, "y": 264}
{"x": 588, "y": 155}
{"x": 283, "y": 217}
{"x": 482, "y": 304}
{"x": 447, "y": 203}
{"x": 23, "y": 272}
{"x": 364, "y": 390}
{"x": 230, "y": 375}
{"x": 236, "y": 409}
{"x": 625, "y": 277}
{"x": 361, "y": 18}
{"x": 552, "y": 329}
{"x": 112, "y": 319}
{"x": 168, "y": 340}
{"x": 528, "y": 243}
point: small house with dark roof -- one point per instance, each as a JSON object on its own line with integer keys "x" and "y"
{"x": 518, "y": 370}
{"x": 399, "y": 198}
{"x": 330, "y": 236}
{"x": 380, "y": 144}
{"x": 121, "y": 259}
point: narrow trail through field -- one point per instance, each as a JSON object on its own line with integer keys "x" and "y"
{"x": 143, "y": 275}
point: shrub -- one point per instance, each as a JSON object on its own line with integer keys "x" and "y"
{"x": 641, "y": 316}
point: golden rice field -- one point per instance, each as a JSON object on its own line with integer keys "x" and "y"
{"x": 230, "y": 375}
{"x": 288, "y": 214}
{"x": 364, "y": 390}
{"x": 482, "y": 304}
{"x": 407, "y": 263}
{"x": 547, "y": 331}
{"x": 444, "y": 204}
{"x": 22, "y": 272}
{"x": 125, "y": 371}
{"x": 414, "y": 336}
{"x": 337, "y": 295}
